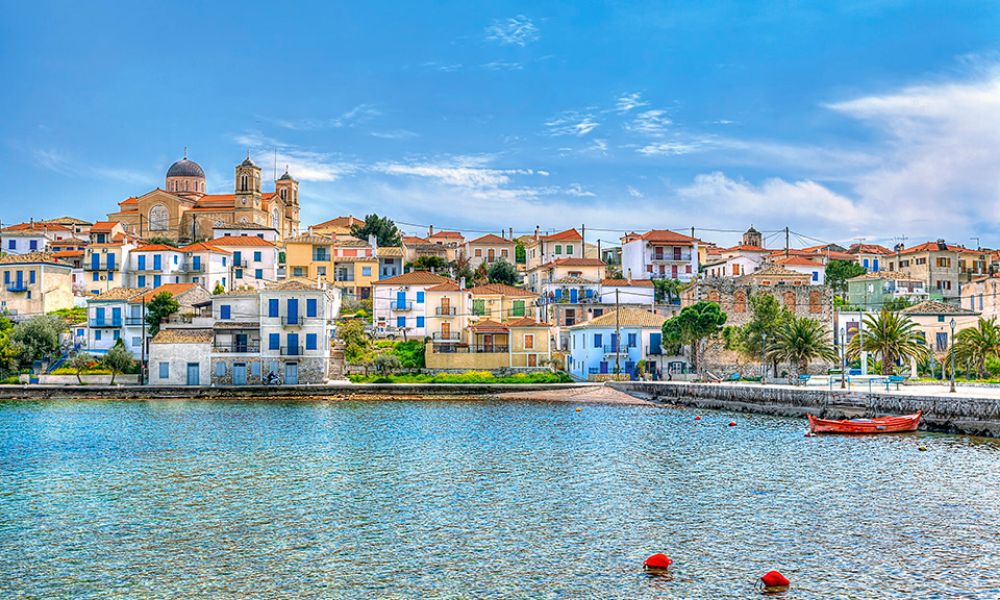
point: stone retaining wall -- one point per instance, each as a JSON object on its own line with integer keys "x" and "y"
{"x": 974, "y": 416}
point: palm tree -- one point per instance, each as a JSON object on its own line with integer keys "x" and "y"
{"x": 800, "y": 340}
{"x": 976, "y": 344}
{"x": 890, "y": 335}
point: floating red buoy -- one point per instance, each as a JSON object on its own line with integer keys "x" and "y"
{"x": 775, "y": 582}
{"x": 698, "y": 418}
{"x": 732, "y": 423}
{"x": 657, "y": 562}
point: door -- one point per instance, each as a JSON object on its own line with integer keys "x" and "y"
{"x": 673, "y": 271}
{"x": 532, "y": 360}
{"x": 614, "y": 342}
{"x": 604, "y": 367}
{"x": 292, "y": 373}
{"x": 573, "y": 295}
{"x": 491, "y": 255}
{"x": 445, "y": 306}
{"x": 400, "y": 300}
{"x": 293, "y": 344}
{"x": 293, "y": 311}
{"x": 654, "y": 342}
{"x": 193, "y": 374}
{"x": 445, "y": 331}
{"x": 239, "y": 374}
{"x": 488, "y": 342}
{"x": 241, "y": 343}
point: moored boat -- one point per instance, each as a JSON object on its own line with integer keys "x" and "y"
{"x": 879, "y": 425}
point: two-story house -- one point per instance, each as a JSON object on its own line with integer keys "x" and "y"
{"x": 343, "y": 261}
{"x": 390, "y": 261}
{"x": 254, "y": 259}
{"x": 934, "y": 263}
{"x": 870, "y": 256}
{"x": 106, "y": 260}
{"x": 615, "y": 343}
{"x": 564, "y": 272}
{"x": 399, "y": 302}
{"x": 801, "y": 264}
{"x": 489, "y": 249}
{"x": 874, "y": 289}
{"x": 35, "y": 283}
{"x": 32, "y": 237}
{"x": 153, "y": 265}
{"x": 543, "y": 249}
{"x": 106, "y": 319}
{"x": 659, "y": 254}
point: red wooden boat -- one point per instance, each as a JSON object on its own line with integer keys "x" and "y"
{"x": 879, "y": 425}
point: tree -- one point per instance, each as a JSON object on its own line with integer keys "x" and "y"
{"x": 387, "y": 363}
{"x": 159, "y": 239}
{"x": 839, "y": 271}
{"x": 159, "y": 309}
{"x": 78, "y": 362}
{"x": 692, "y": 325}
{"x": 978, "y": 344}
{"x": 897, "y": 304}
{"x": 118, "y": 360}
{"x": 462, "y": 269}
{"x": 502, "y": 272}
{"x": 890, "y": 335}
{"x": 430, "y": 263}
{"x": 767, "y": 318}
{"x": 8, "y": 353}
{"x": 352, "y": 332}
{"x": 667, "y": 290}
{"x": 384, "y": 230}
{"x": 36, "y": 338}
{"x": 218, "y": 289}
{"x": 520, "y": 255}
{"x": 480, "y": 276}
{"x": 800, "y": 340}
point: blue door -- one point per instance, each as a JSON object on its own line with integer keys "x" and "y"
{"x": 654, "y": 343}
{"x": 291, "y": 373}
{"x": 604, "y": 367}
{"x": 614, "y": 342}
{"x": 193, "y": 374}
{"x": 156, "y": 281}
{"x": 573, "y": 295}
{"x": 239, "y": 374}
{"x": 400, "y": 300}
{"x": 293, "y": 313}
{"x": 116, "y": 316}
{"x": 111, "y": 262}
{"x": 20, "y": 280}
{"x": 293, "y": 344}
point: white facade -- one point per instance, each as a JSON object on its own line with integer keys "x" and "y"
{"x": 179, "y": 363}
{"x": 151, "y": 268}
{"x": 403, "y": 307}
{"x": 254, "y": 266}
{"x": 736, "y": 264}
{"x": 265, "y": 233}
{"x": 628, "y": 294}
{"x": 106, "y": 324}
{"x": 646, "y": 259}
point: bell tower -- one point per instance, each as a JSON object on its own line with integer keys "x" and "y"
{"x": 247, "y": 190}
{"x": 287, "y": 190}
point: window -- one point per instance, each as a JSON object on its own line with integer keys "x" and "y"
{"x": 116, "y": 334}
{"x": 273, "y": 341}
{"x": 238, "y": 274}
{"x": 311, "y": 343}
{"x": 6, "y": 277}
{"x": 97, "y": 335}
{"x": 33, "y": 244}
{"x": 97, "y": 276}
{"x": 814, "y": 303}
{"x": 158, "y": 218}
{"x": 569, "y": 248}
{"x": 164, "y": 370}
{"x": 141, "y": 281}
{"x": 815, "y": 276}
{"x": 420, "y": 321}
{"x": 632, "y": 340}
{"x": 400, "y": 321}
{"x": 366, "y": 271}
{"x": 12, "y": 244}
{"x": 136, "y": 341}
{"x": 420, "y": 297}
{"x": 479, "y": 252}
{"x": 518, "y": 308}
{"x": 478, "y": 307}
{"x": 272, "y": 307}
{"x": 597, "y": 340}
{"x": 298, "y": 272}
{"x": 258, "y": 273}
{"x": 220, "y": 369}
{"x": 311, "y": 307}
{"x": 225, "y": 312}
{"x": 529, "y": 341}
{"x": 558, "y": 249}
{"x": 31, "y": 277}
{"x": 256, "y": 256}
{"x": 941, "y": 341}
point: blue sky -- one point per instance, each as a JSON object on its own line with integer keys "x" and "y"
{"x": 864, "y": 120}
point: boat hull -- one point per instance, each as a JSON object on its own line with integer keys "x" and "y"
{"x": 901, "y": 424}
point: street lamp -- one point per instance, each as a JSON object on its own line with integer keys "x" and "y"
{"x": 952, "y": 390}
{"x": 843, "y": 356}
{"x": 763, "y": 358}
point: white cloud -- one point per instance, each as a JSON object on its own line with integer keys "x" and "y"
{"x": 440, "y": 66}
{"x": 394, "y": 134}
{"x": 58, "y": 162}
{"x": 499, "y": 65}
{"x": 357, "y": 115}
{"x": 651, "y": 123}
{"x": 576, "y": 190}
{"x": 634, "y": 192}
{"x": 515, "y": 31}
{"x": 461, "y": 171}
{"x": 304, "y": 165}
{"x": 627, "y": 102}
{"x": 571, "y": 123}
{"x": 671, "y": 148}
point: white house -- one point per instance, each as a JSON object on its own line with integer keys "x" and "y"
{"x": 32, "y": 237}
{"x": 269, "y": 234}
{"x": 625, "y": 291}
{"x": 295, "y": 330}
{"x": 807, "y": 266}
{"x": 154, "y": 265}
{"x": 659, "y": 254}
{"x": 618, "y": 339}
{"x": 207, "y": 265}
{"x": 489, "y": 249}
{"x": 254, "y": 260}
{"x": 106, "y": 319}
{"x": 399, "y": 302}
{"x": 180, "y": 357}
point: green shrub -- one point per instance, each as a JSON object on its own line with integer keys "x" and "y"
{"x": 468, "y": 377}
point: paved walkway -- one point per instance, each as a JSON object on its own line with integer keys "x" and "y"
{"x": 961, "y": 391}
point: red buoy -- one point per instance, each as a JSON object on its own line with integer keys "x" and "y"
{"x": 698, "y": 418}
{"x": 732, "y": 423}
{"x": 775, "y": 582}
{"x": 657, "y": 562}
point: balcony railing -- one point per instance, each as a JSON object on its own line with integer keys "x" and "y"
{"x": 616, "y": 349}
{"x": 456, "y": 349}
{"x": 291, "y": 350}
{"x": 105, "y": 323}
{"x": 17, "y": 287}
{"x": 134, "y": 321}
{"x": 451, "y": 336}
{"x": 670, "y": 258}
{"x": 654, "y": 350}
{"x": 444, "y": 311}
{"x": 237, "y": 348}
{"x": 402, "y": 306}
{"x": 298, "y": 321}
{"x": 193, "y": 268}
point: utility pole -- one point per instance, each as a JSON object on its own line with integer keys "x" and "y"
{"x": 618, "y": 334}
{"x": 786, "y": 241}
{"x": 583, "y": 244}
{"x": 142, "y": 351}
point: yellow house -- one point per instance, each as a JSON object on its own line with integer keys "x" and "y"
{"x": 933, "y": 320}
{"x": 446, "y": 313}
{"x": 500, "y": 302}
{"x": 515, "y": 344}
{"x": 342, "y": 261}
{"x": 35, "y": 283}
{"x": 337, "y": 226}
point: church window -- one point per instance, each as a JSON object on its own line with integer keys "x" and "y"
{"x": 283, "y": 193}
{"x": 275, "y": 218}
{"x": 158, "y": 218}
{"x": 244, "y": 182}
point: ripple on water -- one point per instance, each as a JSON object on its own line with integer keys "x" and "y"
{"x": 480, "y": 500}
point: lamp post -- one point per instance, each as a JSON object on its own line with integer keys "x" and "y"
{"x": 763, "y": 358}
{"x": 843, "y": 356}
{"x": 952, "y": 390}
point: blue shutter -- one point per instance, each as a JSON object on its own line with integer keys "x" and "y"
{"x": 274, "y": 341}
{"x": 99, "y": 316}
{"x": 420, "y": 297}
{"x": 164, "y": 370}
{"x": 156, "y": 281}
{"x": 875, "y": 265}
{"x": 142, "y": 262}
{"x": 196, "y": 263}
{"x": 293, "y": 311}
{"x": 631, "y": 340}
{"x": 272, "y": 307}
{"x": 220, "y": 369}
{"x": 255, "y": 369}
{"x": 236, "y": 258}
{"x": 6, "y": 277}
{"x": 654, "y": 342}
{"x": 400, "y": 321}
{"x": 31, "y": 277}
{"x": 97, "y": 335}
{"x": 400, "y": 300}
{"x": 111, "y": 262}
{"x": 95, "y": 262}
{"x": 142, "y": 281}
{"x": 256, "y": 256}
{"x": 311, "y": 307}
{"x": 420, "y": 321}
{"x": 310, "y": 341}
{"x": 614, "y": 342}
{"x": 258, "y": 273}
{"x": 116, "y": 316}
{"x": 157, "y": 262}
{"x": 293, "y": 344}
{"x": 597, "y": 340}
{"x": 590, "y": 293}
{"x": 225, "y": 311}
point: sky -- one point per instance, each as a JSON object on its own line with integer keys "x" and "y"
{"x": 874, "y": 120}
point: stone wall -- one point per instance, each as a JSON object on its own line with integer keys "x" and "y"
{"x": 975, "y": 416}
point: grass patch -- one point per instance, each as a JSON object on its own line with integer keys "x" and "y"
{"x": 466, "y": 377}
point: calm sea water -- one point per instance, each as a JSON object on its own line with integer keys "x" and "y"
{"x": 476, "y": 500}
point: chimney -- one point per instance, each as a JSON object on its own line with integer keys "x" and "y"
{"x": 510, "y": 233}
{"x": 373, "y": 241}
{"x": 430, "y": 230}
{"x": 461, "y": 283}
{"x": 537, "y": 231}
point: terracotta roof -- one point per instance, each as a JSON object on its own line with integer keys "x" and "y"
{"x": 448, "y": 286}
{"x": 240, "y": 240}
{"x": 446, "y": 235}
{"x": 103, "y": 226}
{"x": 667, "y": 236}
{"x": 490, "y": 238}
{"x": 128, "y": 201}
{"x": 183, "y": 336}
{"x": 39, "y": 226}
{"x": 934, "y": 307}
{"x": 501, "y": 289}
{"x": 626, "y": 316}
{"x": 525, "y": 322}
{"x": 68, "y": 253}
{"x": 121, "y": 293}
{"x": 310, "y": 238}
{"x": 413, "y": 240}
{"x": 341, "y": 222}
{"x": 888, "y": 275}
{"x": 932, "y": 247}
{"x": 746, "y": 248}
{"x": 294, "y": 284}
{"x": 798, "y": 261}
{"x": 174, "y": 289}
{"x": 67, "y": 219}
{"x": 414, "y": 278}
{"x": 488, "y": 326}
{"x": 627, "y": 283}
{"x": 570, "y": 235}
{"x": 573, "y": 262}
{"x": 206, "y": 247}
{"x": 775, "y": 271}
{"x": 389, "y": 251}
{"x": 868, "y": 249}
{"x": 246, "y": 226}
{"x": 32, "y": 257}
{"x": 157, "y": 248}
{"x": 573, "y": 279}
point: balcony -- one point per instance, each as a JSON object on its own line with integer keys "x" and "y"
{"x": 98, "y": 323}
{"x": 444, "y": 311}
{"x": 451, "y": 336}
{"x": 134, "y": 321}
{"x": 193, "y": 268}
{"x": 291, "y": 350}
{"x": 402, "y": 306}
{"x": 654, "y": 350}
{"x": 456, "y": 349}
{"x": 669, "y": 258}
{"x": 298, "y": 321}
{"x": 617, "y": 349}
{"x": 237, "y": 348}
{"x": 17, "y": 287}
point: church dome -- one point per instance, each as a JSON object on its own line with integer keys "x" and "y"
{"x": 185, "y": 168}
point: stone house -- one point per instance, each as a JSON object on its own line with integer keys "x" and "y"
{"x": 180, "y": 357}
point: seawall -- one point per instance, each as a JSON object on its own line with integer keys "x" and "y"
{"x": 952, "y": 414}
{"x": 248, "y": 392}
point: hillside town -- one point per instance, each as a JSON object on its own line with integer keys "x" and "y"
{"x": 177, "y": 286}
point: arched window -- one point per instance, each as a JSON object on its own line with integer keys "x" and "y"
{"x": 740, "y": 301}
{"x": 713, "y": 296}
{"x": 158, "y": 218}
{"x": 790, "y": 300}
{"x": 283, "y": 193}
{"x": 814, "y": 303}
{"x": 244, "y": 182}
{"x": 275, "y": 217}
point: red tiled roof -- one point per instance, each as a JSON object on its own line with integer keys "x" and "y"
{"x": 414, "y": 278}
{"x": 500, "y": 289}
{"x": 569, "y": 235}
{"x": 37, "y": 227}
{"x": 800, "y": 261}
{"x": 488, "y": 326}
{"x": 240, "y": 240}
{"x": 574, "y": 262}
{"x": 412, "y": 239}
{"x": 932, "y": 247}
{"x": 448, "y": 286}
{"x": 746, "y": 248}
{"x": 341, "y": 222}
{"x": 204, "y": 247}
{"x": 175, "y": 289}
{"x": 667, "y": 236}
{"x": 128, "y": 201}
{"x": 156, "y": 248}
{"x": 103, "y": 226}
{"x": 446, "y": 235}
{"x": 627, "y": 283}
{"x": 490, "y": 238}
{"x": 67, "y": 253}
{"x": 525, "y": 322}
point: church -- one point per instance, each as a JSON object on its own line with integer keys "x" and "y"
{"x": 185, "y": 213}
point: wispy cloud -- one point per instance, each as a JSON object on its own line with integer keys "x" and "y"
{"x": 460, "y": 171}
{"x": 394, "y": 134}
{"x": 515, "y": 31}
{"x": 634, "y": 192}
{"x": 670, "y": 148}
{"x": 500, "y": 65}
{"x": 576, "y": 190}
{"x": 303, "y": 164}
{"x": 627, "y": 102}
{"x": 360, "y": 114}
{"x": 652, "y": 123}
{"x": 571, "y": 123}
{"x": 441, "y": 66}
{"x": 58, "y": 162}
